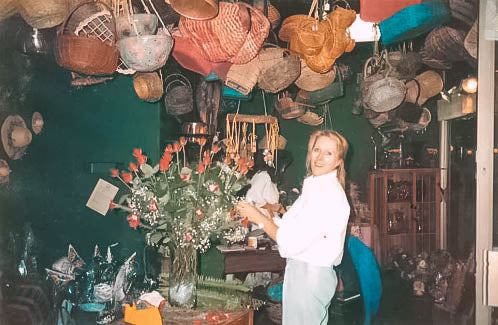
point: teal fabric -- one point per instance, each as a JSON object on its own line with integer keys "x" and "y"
{"x": 413, "y": 21}
{"x": 307, "y": 292}
{"x": 368, "y": 272}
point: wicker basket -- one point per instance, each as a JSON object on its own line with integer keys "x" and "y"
{"x": 287, "y": 107}
{"x": 146, "y": 53}
{"x": 42, "y": 14}
{"x": 310, "y": 80}
{"x": 7, "y": 8}
{"x": 86, "y": 55}
{"x": 279, "y": 68}
{"x": 289, "y": 26}
{"x": 243, "y": 77}
{"x": 178, "y": 98}
{"x": 148, "y": 86}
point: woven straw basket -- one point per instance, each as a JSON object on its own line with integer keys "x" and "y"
{"x": 85, "y": 54}
{"x": 289, "y": 26}
{"x": 310, "y": 80}
{"x": 42, "y": 13}
{"x": 178, "y": 98}
{"x": 148, "y": 86}
{"x": 243, "y": 77}
{"x": 278, "y": 69}
{"x": 7, "y": 8}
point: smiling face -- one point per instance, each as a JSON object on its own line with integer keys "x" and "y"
{"x": 324, "y": 156}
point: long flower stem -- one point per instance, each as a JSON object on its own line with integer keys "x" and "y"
{"x": 124, "y": 183}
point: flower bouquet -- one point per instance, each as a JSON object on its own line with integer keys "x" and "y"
{"x": 182, "y": 206}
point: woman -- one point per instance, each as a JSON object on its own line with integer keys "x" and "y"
{"x": 311, "y": 234}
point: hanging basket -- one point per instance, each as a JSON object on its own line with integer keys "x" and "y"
{"x": 278, "y": 69}
{"x": 136, "y": 25}
{"x": 243, "y": 77}
{"x": 310, "y": 80}
{"x": 178, "y": 98}
{"x": 148, "y": 86}
{"x": 146, "y": 53}
{"x": 42, "y": 13}
{"x": 7, "y": 8}
{"x": 287, "y": 107}
{"x": 87, "y": 55}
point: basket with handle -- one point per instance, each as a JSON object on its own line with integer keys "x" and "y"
{"x": 243, "y": 77}
{"x": 42, "y": 14}
{"x": 384, "y": 94}
{"x": 310, "y": 80}
{"x": 178, "y": 98}
{"x": 278, "y": 69}
{"x": 145, "y": 53}
{"x": 87, "y": 55}
{"x": 311, "y": 33}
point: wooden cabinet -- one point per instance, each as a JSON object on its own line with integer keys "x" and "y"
{"x": 405, "y": 208}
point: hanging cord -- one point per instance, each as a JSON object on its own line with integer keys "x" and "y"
{"x": 273, "y": 137}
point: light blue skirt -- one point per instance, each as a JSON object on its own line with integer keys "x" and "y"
{"x": 307, "y": 293}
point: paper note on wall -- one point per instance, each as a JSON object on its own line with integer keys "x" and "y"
{"x": 103, "y": 193}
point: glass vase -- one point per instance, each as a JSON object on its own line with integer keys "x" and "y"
{"x": 182, "y": 290}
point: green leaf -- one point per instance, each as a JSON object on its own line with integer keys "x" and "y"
{"x": 155, "y": 169}
{"x": 164, "y": 199}
{"x": 156, "y": 237}
{"x": 147, "y": 170}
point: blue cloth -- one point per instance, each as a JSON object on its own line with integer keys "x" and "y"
{"x": 369, "y": 275}
{"x": 307, "y": 292}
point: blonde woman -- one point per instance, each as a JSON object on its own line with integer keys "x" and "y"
{"x": 311, "y": 233}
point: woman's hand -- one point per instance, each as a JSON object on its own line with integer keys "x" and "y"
{"x": 249, "y": 211}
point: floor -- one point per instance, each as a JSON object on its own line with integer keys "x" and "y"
{"x": 398, "y": 306}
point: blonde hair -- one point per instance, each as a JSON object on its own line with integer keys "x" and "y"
{"x": 342, "y": 149}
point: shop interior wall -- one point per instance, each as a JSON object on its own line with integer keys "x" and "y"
{"x": 101, "y": 124}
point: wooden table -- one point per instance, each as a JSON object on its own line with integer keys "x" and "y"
{"x": 252, "y": 260}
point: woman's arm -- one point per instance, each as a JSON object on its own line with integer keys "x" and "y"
{"x": 250, "y": 212}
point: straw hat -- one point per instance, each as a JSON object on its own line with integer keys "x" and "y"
{"x": 430, "y": 83}
{"x": 15, "y": 136}
{"x": 37, "y": 122}
{"x": 4, "y": 172}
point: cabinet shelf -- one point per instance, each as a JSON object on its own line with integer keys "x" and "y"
{"x": 404, "y": 205}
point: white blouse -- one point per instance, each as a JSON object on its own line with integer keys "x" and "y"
{"x": 314, "y": 228}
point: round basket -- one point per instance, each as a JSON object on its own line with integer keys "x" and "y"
{"x": 148, "y": 86}
{"x": 278, "y": 73}
{"x": 7, "y": 8}
{"x": 136, "y": 25}
{"x": 86, "y": 55}
{"x": 178, "y": 98}
{"x": 310, "y": 80}
{"x": 146, "y": 53}
{"x": 384, "y": 95}
{"x": 42, "y": 14}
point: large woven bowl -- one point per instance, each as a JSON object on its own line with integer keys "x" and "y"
{"x": 146, "y": 53}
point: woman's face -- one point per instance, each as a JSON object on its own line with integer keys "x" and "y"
{"x": 324, "y": 158}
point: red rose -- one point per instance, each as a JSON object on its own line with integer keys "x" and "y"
{"x": 202, "y": 142}
{"x": 137, "y": 152}
{"x": 200, "y": 213}
{"x": 241, "y": 162}
{"x": 127, "y": 178}
{"x": 133, "y": 166}
{"x": 169, "y": 148}
{"x": 142, "y": 159}
{"x": 167, "y": 156}
{"x": 245, "y": 221}
{"x": 176, "y": 147}
{"x": 207, "y": 160}
{"x": 112, "y": 205}
{"x": 183, "y": 141}
{"x": 243, "y": 169}
{"x": 133, "y": 221}
{"x": 201, "y": 168}
{"x": 164, "y": 164}
{"x": 152, "y": 205}
{"x": 114, "y": 172}
{"x": 215, "y": 148}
